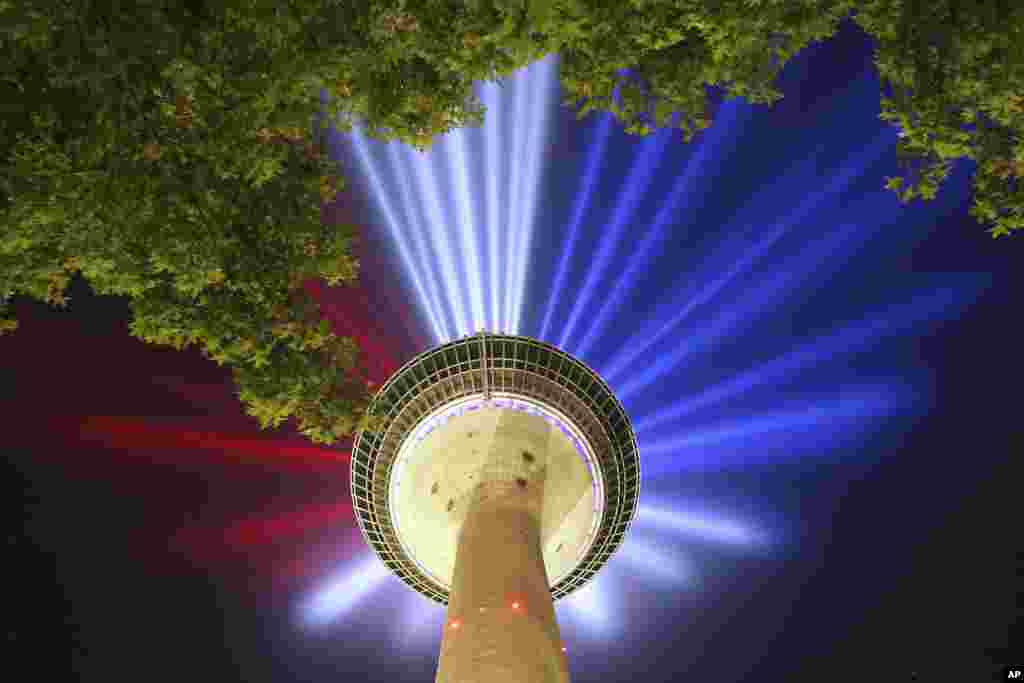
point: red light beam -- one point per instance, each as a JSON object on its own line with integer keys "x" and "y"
{"x": 145, "y": 438}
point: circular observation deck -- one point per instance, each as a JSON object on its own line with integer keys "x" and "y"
{"x": 412, "y": 473}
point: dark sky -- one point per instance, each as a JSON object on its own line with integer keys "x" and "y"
{"x": 157, "y": 534}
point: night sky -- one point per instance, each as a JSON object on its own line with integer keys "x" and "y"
{"x": 159, "y": 535}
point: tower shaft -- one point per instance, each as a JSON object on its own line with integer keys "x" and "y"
{"x": 501, "y": 625}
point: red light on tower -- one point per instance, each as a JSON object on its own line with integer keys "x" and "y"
{"x": 515, "y": 605}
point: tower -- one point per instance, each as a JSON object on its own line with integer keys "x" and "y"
{"x": 502, "y": 475}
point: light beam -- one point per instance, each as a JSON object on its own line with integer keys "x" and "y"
{"x": 817, "y": 425}
{"x": 633, "y": 189}
{"x": 395, "y": 227}
{"x": 702, "y": 526}
{"x": 580, "y": 205}
{"x": 942, "y": 303}
{"x": 539, "y": 110}
{"x": 683, "y": 187}
{"x": 344, "y": 591}
{"x": 645, "y": 339}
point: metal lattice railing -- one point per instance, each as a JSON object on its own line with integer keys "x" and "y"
{"x": 478, "y": 366}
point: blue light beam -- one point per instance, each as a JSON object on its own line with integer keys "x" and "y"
{"x": 658, "y": 330}
{"x": 943, "y": 303}
{"x": 344, "y": 591}
{"x": 395, "y": 229}
{"x": 416, "y": 229}
{"x": 439, "y": 232}
{"x": 759, "y": 299}
{"x": 490, "y": 97}
{"x": 584, "y": 195}
{"x": 420, "y": 621}
{"x": 594, "y": 605}
{"x": 813, "y": 425}
{"x": 683, "y": 186}
{"x": 515, "y": 155}
{"x": 455, "y": 146}
{"x": 703, "y": 526}
{"x": 471, "y": 247}
{"x": 653, "y": 559}
{"x": 633, "y": 189}
{"x": 540, "y": 106}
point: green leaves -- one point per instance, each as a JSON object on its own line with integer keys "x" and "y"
{"x": 201, "y": 224}
{"x": 956, "y": 70}
{"x": 173, "y": 164}
{"x": 676, "y": 51}
{"x": 540, "y": 12}
{"x": 262, "y": 172}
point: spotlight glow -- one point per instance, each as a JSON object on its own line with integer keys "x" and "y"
{"x": 695, "y": 525}
{"x": 344, "y": 591}
{"x": 397, "y": 233}
{"x": 514, "y": 161}
{"x": 629, "y": 197}
{"x": 658, "y": 232}
{"x": 705, "y": 347}
{"x": 811, "y": 425}
{"x": 677, "y": 310}
{"x": 398, "y": 158}
{"x": 943, "y": 303}
{"x": 420, "y": 620}
{"x": 594, "y": 605}
{"x": 580, "y": 205}
{"x": 757, "y": 300}
{"x": 468, "y": 263}
{"x": 490, "y": 96}
{"x": 456, "y": 158}
{"x": 543, "y": 98}
{"x": 439, "y": 232}
{"x": 653, "y": 559}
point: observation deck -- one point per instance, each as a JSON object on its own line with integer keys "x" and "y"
{"x": 413, "y": 474}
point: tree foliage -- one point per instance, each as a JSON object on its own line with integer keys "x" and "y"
{"x": 955, "y": 72}
{"x": 645, "y": 60}
{"x": 167, "y": 155}
{"x": 170, "y": 151}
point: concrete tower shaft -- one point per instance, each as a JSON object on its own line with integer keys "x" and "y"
{"x": 501, "y": 619}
